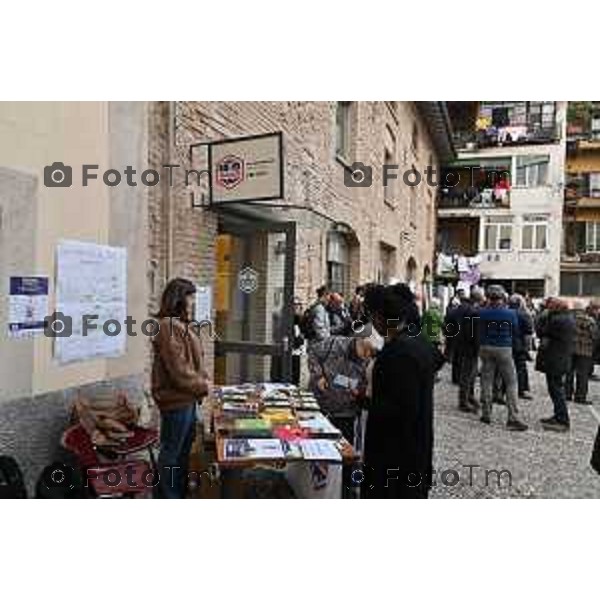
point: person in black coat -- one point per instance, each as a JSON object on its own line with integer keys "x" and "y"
{"x": 521, "y": 344}
{"x": 399, "y": 433}
{"x": 556, "y": 329}
{"x": 453, "y": 322}
{"x": 467, "y": 343}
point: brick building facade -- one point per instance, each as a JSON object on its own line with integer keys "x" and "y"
{"x": 344, "y": 235}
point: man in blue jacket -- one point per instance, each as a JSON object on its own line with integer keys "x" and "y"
{"x": 498, "y": 324}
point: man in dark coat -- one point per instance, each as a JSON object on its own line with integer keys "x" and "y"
{"x": 467, "y": 344}
{"x": 582, "y": 362}
{"x": 556, "y": 329}
{"x": 399, "y": 435}
{"x": 521, "y": 344}
{"x": 452, "y": 323}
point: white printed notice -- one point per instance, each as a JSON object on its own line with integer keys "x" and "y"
{"x": 91, "y": 285}
{"x": 203, "y": 304}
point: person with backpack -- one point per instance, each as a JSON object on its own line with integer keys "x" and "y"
{"x": 315, "y": 326}
{"x": 340, "y": 321}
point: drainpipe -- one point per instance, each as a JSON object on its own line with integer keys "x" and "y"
{"x": 170, "y": 155}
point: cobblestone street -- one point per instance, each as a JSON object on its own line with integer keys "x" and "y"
{"x": 542, "y": 464}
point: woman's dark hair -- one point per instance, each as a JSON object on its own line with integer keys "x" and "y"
{"x": 373, "y": 302}
{"x": 172, "y": 303}
{"x": 399, "y": 303}
{"x": 393, "y": 302}
{"x": 321, "y": 290}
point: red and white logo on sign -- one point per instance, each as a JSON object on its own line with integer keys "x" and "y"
{"x": 230, "y": 171}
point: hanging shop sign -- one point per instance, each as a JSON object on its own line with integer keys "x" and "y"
{"x": 247, "y": 169}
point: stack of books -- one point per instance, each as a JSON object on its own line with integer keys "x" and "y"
{"x": 253, "y": 449}
{"x": 318, "y": 426}
{"x": 278, "y": 416}
{"x": 273, "y": 449}
{"x": 240, "y": 409}
{"x": 306, "y": 402}
{"x": 251, "y": 428}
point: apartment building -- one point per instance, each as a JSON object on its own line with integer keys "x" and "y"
{"x": 321, "y": 229}
{"x": 500, "y": 203}
{"x": 580, "y": 261}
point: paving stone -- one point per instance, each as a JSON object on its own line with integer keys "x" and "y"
{"x": 542, "y": 464}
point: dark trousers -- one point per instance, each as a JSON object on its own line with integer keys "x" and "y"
{"x": 579, "y": 375}
{"x": 177, "y": 430}
{"x": 456, "y": 360}
{"x": 522, "y": 374}
{"x": 467, "y": 376}
{"x": 556, "y": 389}
{"x": 295, "y": 369}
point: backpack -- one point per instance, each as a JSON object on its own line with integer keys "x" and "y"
{"x": 11, "y": 479}
{"x": 307, "y": 323}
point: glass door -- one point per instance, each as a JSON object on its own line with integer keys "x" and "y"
{"x": 254, "y": 291}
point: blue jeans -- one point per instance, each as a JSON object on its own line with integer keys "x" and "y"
{"x": 556, "y": 389}
{"x": 177, "y": 429}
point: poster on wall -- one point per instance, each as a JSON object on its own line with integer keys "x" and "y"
{"x": 91, "y": 279}
{"x": 203, "y": 304}
{"x": 27, "y": 306}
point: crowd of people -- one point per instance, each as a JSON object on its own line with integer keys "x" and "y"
{"x": 381, "y": 353}
{"x": 494, "y": 336}
{"x": 373, "y": 362}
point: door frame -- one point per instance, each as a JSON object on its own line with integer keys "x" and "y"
{"x": 240, "y": 226}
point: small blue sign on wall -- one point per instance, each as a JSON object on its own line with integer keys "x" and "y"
{"x": 28, "y": 305}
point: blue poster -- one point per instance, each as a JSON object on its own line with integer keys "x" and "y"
{"x": 28, "y": 305}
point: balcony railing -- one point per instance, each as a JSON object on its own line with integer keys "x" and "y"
{"x": 585, "y": 258}
{"x": 486, "y": 198}
{"x": 505, "y": 136}
{"x": 582, "y": 185}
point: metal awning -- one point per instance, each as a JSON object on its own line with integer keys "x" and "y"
{"x": 437, "y": 120}
{"x": 274, "y": 212}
